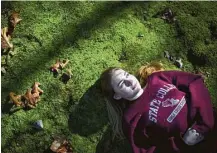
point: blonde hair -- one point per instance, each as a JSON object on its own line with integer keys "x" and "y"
{"x": 148, "y": 69}
{"x": 115, "y": 107}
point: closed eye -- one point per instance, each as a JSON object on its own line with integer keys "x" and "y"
{"x": 124, "y": 82}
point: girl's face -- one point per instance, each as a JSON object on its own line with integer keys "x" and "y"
{"x": 125, "y": 85}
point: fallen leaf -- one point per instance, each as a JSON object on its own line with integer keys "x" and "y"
{"x": 14, "y": 19}
{"x": 58, "y": 65}
{"x": 55, "y": 67}
{"x": 36, "y": 89}
{"x": 61, "y": 146}
{"x": 5, "y": 39}
{"x": 63, "y": 64}
{"x": 16, "y": 99}
{"x": 55, "y": 145}
{"x": 168, "y": 15}
{"x": 30, "y": 100}
{"x": 6, "y": 33}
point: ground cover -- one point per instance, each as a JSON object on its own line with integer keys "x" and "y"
{"x": 93, "y": 36}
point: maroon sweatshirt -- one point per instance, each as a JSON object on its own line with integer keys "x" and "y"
{"x": 172, "y": 102}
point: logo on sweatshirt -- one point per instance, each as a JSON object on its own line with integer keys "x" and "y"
{"x": 170, "y": 102}
{"x": 176, "y": 111}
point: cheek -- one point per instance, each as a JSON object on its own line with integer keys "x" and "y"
{"x": 127, "y": 90}
{"x": 137, "y": 81}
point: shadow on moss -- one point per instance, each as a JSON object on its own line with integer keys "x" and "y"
{"x": 96, "y": 20}
{"x": 89, "y": 114}
{"x": 196, "y": 60}
{"x": 106, "y": 145}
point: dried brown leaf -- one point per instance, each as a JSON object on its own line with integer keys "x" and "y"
{"x": 59, "y": 65}
{"x": 16, "y": 99}
{"x": 14, "y": 19}
{"x": 36, "y": 89}
{"x": 61, "y": 146}
{"x": 5, "y": 39}
{"x": 29, "y": 98}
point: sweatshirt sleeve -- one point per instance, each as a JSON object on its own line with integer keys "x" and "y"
{"x": 138, "y": 141}
{"x": 199, "y": 98}
{"x": 141, "y": 143}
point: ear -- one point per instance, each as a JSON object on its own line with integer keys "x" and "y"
{"x": 117, "y": 96}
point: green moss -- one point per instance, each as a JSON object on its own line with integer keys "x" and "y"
{"x": 93, "y": 36}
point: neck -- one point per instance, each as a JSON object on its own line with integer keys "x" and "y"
{"x": 137, "y": 95}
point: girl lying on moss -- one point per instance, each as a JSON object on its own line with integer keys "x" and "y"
{"x": 171, "y": 113}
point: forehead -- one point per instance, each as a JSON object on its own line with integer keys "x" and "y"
{"x": 118, "y": 72}
{"x": 117, "y": 75}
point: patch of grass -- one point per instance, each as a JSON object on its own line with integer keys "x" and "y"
{"x": 93, "y": 36}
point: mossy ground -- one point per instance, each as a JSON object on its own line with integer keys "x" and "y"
{"x": 93, "y": 36}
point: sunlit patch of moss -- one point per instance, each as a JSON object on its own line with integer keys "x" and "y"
{"x": 93, "y": 36}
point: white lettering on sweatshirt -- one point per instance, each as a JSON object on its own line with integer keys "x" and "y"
{"x": 155, "y": 104}
{"x": 164, "y": 90}
{"x": 153, "y": 110}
